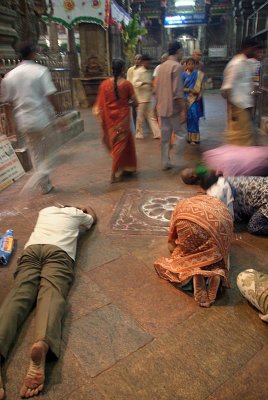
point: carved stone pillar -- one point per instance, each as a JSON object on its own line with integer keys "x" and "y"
{"x": 115, "y": 43}
{"x": 165, "y": 37}
{"x": 8, "y": 35}
{"x": 53, "y": 39}
{"x": 72, "y": 55}
{"x": 202, "y": 37}
{"x": 233, "y": 33}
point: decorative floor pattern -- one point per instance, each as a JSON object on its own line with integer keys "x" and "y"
{"x": 141, "y": 212}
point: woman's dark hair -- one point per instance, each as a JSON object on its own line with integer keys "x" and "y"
{"x": 117, "y": 68}
{"x": 190, "y": 60}
{"x": 207, "y": 180}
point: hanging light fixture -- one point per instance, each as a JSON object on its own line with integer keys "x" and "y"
{"x": 185, "y": 3}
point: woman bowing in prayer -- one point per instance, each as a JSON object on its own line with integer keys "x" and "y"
{"x": 193, "y": 90}
{"x": 245, "y": 196}
{"x": 199, "y": 239}
{"x": 112, "y": 108}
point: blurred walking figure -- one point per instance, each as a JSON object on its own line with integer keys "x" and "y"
{"x": 193, "y": 89}
{"x": 29, "y": 89}
{"x": 237, "y": 88}
{"x": 256, "y": 65}
{"x": 170, "y": 102}
{"x": 229, "y": 160}
{"x": 112, "y": 108}
{"x": 130, "y": 73}
{"x": 142, "y": 82}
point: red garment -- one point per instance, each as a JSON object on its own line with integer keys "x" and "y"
{"x": 115, "y": 118}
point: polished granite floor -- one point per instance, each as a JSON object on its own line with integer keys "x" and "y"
{"x": 127, "y": 333}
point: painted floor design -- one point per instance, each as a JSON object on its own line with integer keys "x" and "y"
{"x": 141, "y": 212}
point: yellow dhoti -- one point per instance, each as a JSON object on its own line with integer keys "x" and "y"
{"x": 240, "y": 129}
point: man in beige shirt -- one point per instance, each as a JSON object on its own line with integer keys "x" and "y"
{"x": 142, "y": 82}
{"x": 137, "y": 64}
{"x": 170, "y": 103}
{"x": 130, "y": 73}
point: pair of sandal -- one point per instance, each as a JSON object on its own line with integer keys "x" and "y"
{"x": 206, "y": 295}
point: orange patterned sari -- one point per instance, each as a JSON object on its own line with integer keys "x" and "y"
{"x": 115, "y": 119}
{"x": 200, "y": 234}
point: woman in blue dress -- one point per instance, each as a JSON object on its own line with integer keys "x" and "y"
{"x": 193, "y": 90}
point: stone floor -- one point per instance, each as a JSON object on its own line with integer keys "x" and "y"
{"x": 127, "y": 333}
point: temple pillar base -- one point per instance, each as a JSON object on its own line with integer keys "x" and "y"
{"x": 8, "y": 35}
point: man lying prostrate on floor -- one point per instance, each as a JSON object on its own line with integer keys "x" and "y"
{"x": 230, "y": 160}
{"x": 253, "y": 285}
{"x": 245, "y": 196}
{"x": 44, "y": 274}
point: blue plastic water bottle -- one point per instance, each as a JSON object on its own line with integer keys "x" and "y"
{"x": 6, "y": 246}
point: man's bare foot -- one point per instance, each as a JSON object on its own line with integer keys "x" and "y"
{"x": 2, "y": 392}
{"x": 34, "y": 380}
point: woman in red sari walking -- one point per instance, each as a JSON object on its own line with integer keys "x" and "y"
{"x": 112, "y": 108}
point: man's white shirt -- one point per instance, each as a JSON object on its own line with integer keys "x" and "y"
{"x": 60, "y": 227}
{"x": 27, "y": 87}
{"x": 238, "y": 77}
{"x": 222, "y": 191}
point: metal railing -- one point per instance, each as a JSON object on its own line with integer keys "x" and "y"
{"x": 257, "y": 22}
{"x": 63, "y": 96}
{"x": 62, "y": 80}
{"x": 153, "y": 51}
{"x": 7, "y": 65}
{"x": 7, "y": 126}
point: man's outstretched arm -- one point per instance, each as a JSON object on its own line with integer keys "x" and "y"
{"x": 88, "y": 210}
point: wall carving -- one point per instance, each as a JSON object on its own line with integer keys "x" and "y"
{"x": 93, "y": 50}
{"x": 93, "y": 67}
